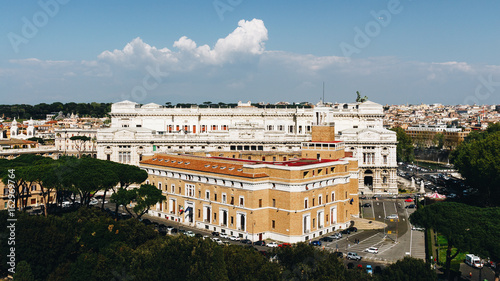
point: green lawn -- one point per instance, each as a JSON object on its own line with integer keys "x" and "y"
{"x": 443, "y": 245}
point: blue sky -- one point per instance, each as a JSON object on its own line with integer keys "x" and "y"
{"x": 392, "y": 51}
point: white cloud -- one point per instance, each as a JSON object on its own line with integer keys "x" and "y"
{"x": 237, "y": 67}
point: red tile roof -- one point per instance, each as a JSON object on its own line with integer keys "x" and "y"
{"x": 202, "y": 164}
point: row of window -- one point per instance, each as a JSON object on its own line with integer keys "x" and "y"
{"x": 369, "y": 158}
{"x": 320, "y": 172}
{"x": 189, "y": 191}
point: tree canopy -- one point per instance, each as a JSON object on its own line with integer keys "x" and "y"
{"x": 467, "y": 228}
{"x": 404, "y": 149}
{"x": 478, "y": 161}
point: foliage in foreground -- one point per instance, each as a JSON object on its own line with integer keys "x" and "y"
{"x": 88, "y": 245}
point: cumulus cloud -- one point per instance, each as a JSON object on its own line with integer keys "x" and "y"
{"x": 247, "y": 39}
{"x": 236, "y": 67}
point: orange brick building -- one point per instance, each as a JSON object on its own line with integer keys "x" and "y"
{"x": 292, "y": 199}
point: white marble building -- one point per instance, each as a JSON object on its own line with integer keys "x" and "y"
{"x": 138, "y": 130}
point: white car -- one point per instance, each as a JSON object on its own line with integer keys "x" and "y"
{"x": 93, "y": 202}
{"x": 336, "y": 235}
{"x": 189, "y": 233}
{"x": 272, "y": 245}
{"x": 372, "y": 250}
{"x": 66, "y": 204}
{"x": 393, "y": 216}
{"x": 234, "y": 238}
{"x": 223, "y": 235}
{"x": 217, "y": 240}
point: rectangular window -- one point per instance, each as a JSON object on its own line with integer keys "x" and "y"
{"x": 207, "y": 195}
{"x": 274, "y": 202}
{"x": 232, "y": 200}
{"x": 232, "y": 220}
{"x": 190, "y": 190}
{"x": 215, "y": 196}
{"x": 326, "y": 199}
{"x": 273, "y": 224}
{"x": 305, "y": 204}
{"x": 319, "y": 200}
{"x": 242, "y": 202}
{"x": 199, "y": 213}
{"x": 260, "y": 203}
{"x": 333, "y": 196}
{"x": 172, "y": 187}
{"x": 313, "y": 202}
{"x": 224, "y": 198}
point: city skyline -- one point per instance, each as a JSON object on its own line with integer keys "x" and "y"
{"x": 394, "y": 52}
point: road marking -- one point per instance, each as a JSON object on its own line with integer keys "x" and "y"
{"x": 383, "y": 205}
{"x": 373, "y": 209}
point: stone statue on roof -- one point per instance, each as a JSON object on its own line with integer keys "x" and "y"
{"x": 361, "y": 99}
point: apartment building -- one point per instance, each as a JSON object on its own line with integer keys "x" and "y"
{"x": 291, "y": 200}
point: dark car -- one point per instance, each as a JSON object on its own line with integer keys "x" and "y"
{"x": 353, "y": 229}
{"x": 173, "y": 230}
{"x": 215, "y": 233}
{"x": 326, "y": 239}
{"x": 246, "y": 241}
{"x": 316, "y": 243}
{"x": 339, "y": 254}
{"x": 198, "y": 235}
{"x": 346, "y": 231}
{"x": 259, "y": 243}
{"x": 367, "y": 205}
{"x": 411, "y": 206}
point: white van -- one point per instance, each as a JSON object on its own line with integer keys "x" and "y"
{"x": 473, "y": 261}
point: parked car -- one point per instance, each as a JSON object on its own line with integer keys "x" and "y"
{"x": 316, "y": 243}
{"x": 326, "y": 239}
{"x": 353, "y": 229}
{"x": 217, "y": 240}
{"x": 223, "y": 235}
{"x": 346, "y": 231}
{"x": 339, "y": 254}
{"x": 215, "y": 233}
{"x": 272, "y": 245}
{"x": 64, "y": 204}
{"x": 198, "y": 235}
{"x": 246, "y": 241}
{"x": 409, "y": 200}
{"x": 284, "y": 245}
{"x": 392, "y": 217}
{"x": 411, "y": 206}
{"x": 369, "y": 269}
{"x": 233, "y": 238}
{"x": 367, "y": 205}
{"x": 259, "y": 243}
{"x": 353, "y": 256}
{"x": 372, "y": 250}
{"x": 336, "y": 235}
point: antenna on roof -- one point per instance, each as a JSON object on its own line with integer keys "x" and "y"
{"x": 323, "y": 91}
